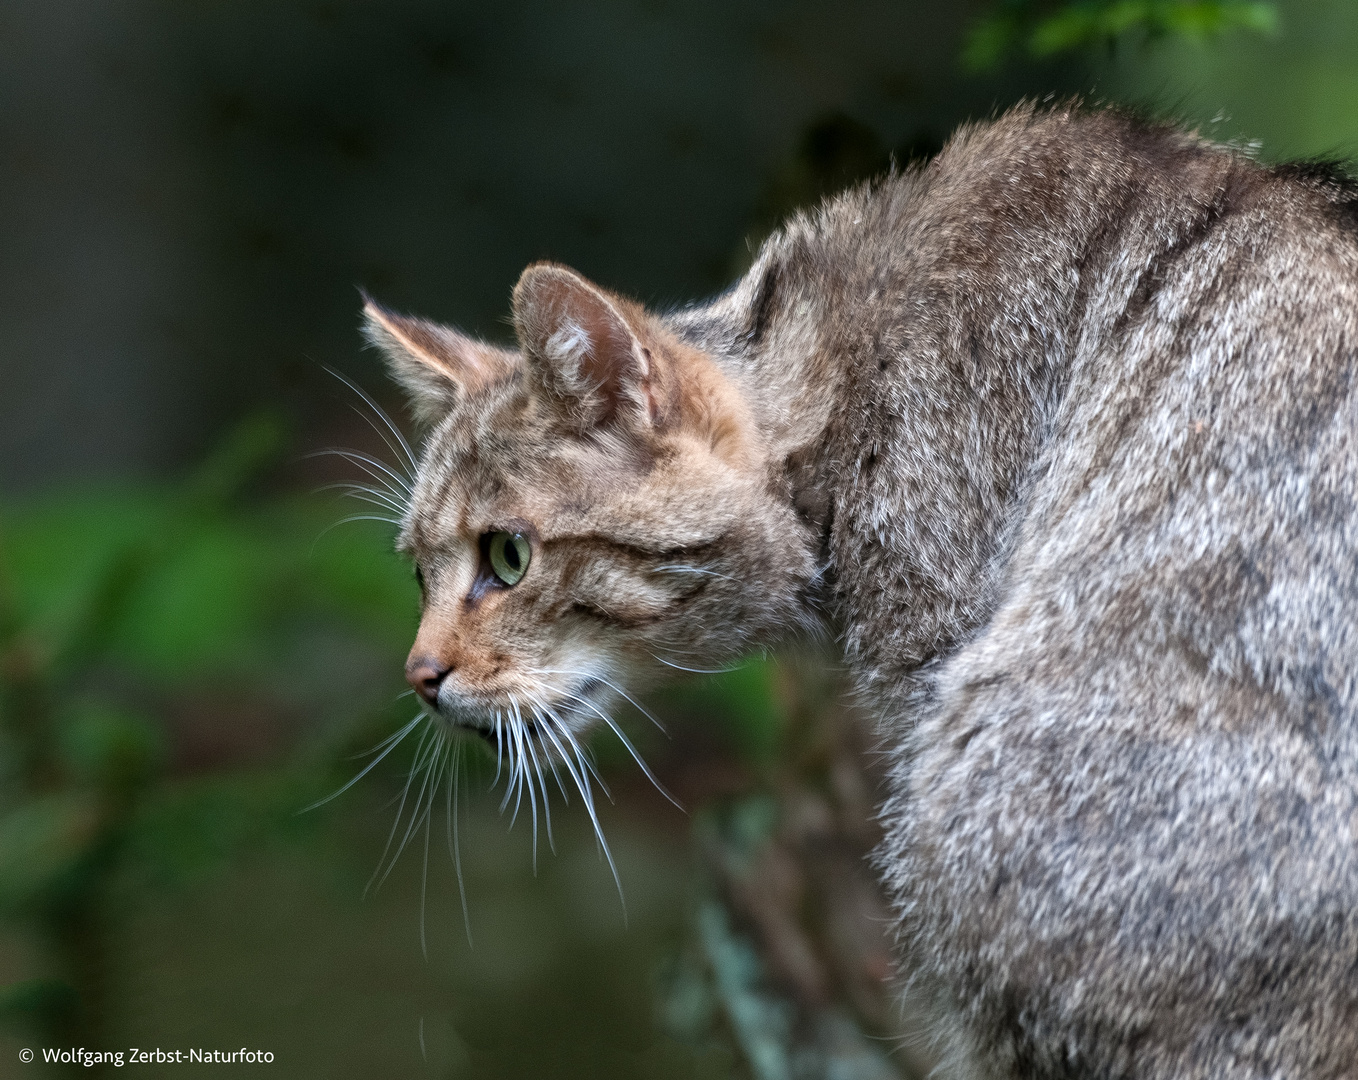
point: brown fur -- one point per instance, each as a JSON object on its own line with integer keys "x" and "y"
{"x": 1057, "y": 434}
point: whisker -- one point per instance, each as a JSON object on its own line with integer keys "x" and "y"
{"x": 551, "y": 763}
{"x": 354, "y": 517}
{"x": 581, "y": 752}
{"x": 515, "y": 766}
{"x": 696, "y": 670}
{"x": 393, "y": 738}
{"x": 378, "y": 469}
{"x": 542, "y": 786}
{"x": 454, "y": 844}
{"x": 611, "y": 685}
{"x": 381, "y": 413}
{"x": 383, "y": 489}
{"x": 367, "y": 517}
{"x": 680, "y": 569}
{"x": 390, "y": 742}
{"x": 550, "y": 724}
{"x": 400, "y": 810}
{"x": 381, "y": 504}
{"x": 387, "y": 442}
{"x": 366, "y": 494}
{"x": 538, "y": 705}
{"x": 436, "y": 771}
{"x": 630, "y": 748}
{"x": 504, "y": 735}
{"x": 677, "y": 651}
{"x": 499, "y": 750}
{"x": 416, "y": 817}
{"x": 525, "y": 751}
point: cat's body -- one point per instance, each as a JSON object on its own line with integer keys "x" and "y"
{"x": 1060, "y": 435}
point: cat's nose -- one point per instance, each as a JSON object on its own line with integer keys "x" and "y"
{"x": 426, "y": 675}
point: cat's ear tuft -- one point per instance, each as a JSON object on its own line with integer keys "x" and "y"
{"x": 437, "y": 366}
{"x": 586, "y": 344}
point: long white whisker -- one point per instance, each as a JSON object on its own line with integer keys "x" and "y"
{"x": 383, "y": 489}
{"x": 388, "y": 443}
{"x": 586, "y": 761}
{"x": 355, "y": 517}
{"x": 381, "y": 504}
{"x": 550, "y": 724}
{"x": 383, "y": 475}
{"x": 405, "y": 446}
{"x": 368, "y": 495}
{"x": 696, "y": 670}
{"x": 454, "y": 844}
{"x": 630, "y": 748}
{"x": 542, "y": 786}
{"x": 675, "y": 649}
{"x": 378, "y": 469}
{"x": 390, "y": 742}
{"x": 611, "y": 685}
{"x": 499, "y": 750}
{"x": 504, "y": 734}
{"x": 436, "y": 773}
{"x": 416, "y": 816}
{"x": 516, "y": 766}
{"x": 369, "y": 517}
{"x": 551, "y": 763}
{"x": 538, "y": 705}
{"x": 400, "y": 810}
{"x": 525, "y": 753}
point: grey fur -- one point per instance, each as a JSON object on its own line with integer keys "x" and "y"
{"x": 1084, "y": 455}
{"x": 1068, "y": 421}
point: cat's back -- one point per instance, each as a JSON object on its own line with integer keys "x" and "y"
{"x": 1090, "y": 346}
{"x": 1125, "y": 835}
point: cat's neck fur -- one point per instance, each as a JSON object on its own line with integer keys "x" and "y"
{"x": 905, "y": 348}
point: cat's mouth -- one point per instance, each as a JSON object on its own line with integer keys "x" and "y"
{"x": 546, "y": 724}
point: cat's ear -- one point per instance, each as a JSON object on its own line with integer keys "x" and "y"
{"x": 437, "y": 366}
{"x": 587, "y": 346}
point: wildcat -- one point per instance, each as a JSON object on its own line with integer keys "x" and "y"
{"x": 1058, "y": 435}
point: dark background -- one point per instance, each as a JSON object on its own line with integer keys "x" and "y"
{"x": 191, "y": 192}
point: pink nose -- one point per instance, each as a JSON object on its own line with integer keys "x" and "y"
{"x": 426, "y": 675}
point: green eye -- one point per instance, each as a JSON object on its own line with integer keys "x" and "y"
{"x": 509, "y": 555}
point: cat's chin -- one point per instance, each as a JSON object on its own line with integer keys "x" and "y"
{"x": 456, "y": 726}
{"x": 549, "y": 726}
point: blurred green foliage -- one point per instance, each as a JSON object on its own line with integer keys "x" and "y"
{"x": 121, "y": 609}
{"x": 1043, "y": 28}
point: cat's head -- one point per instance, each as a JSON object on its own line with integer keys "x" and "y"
{"x": 589, "y": 510}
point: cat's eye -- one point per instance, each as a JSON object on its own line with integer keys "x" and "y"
{"x": 509, "y": 554}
